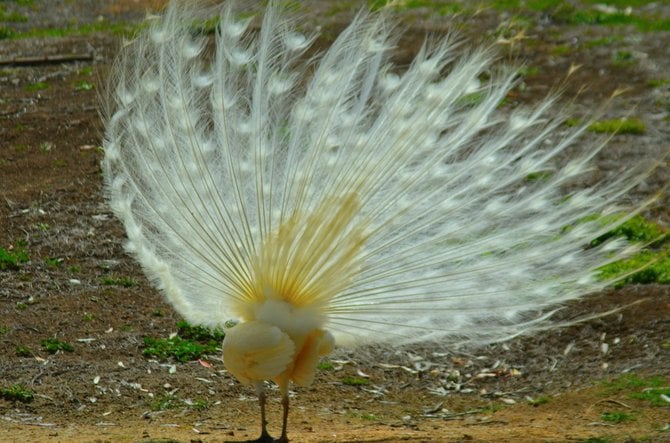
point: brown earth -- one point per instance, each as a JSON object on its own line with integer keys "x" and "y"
{"x": 543, "y": 388}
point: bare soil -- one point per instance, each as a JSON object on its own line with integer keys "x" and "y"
{"x": 543, "y": 388}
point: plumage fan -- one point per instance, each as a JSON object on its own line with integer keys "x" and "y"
{"x": 354, "y": 203}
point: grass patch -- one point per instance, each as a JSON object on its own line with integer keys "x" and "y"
{"x": 658, "y": 82}
{"x": 17, "y": 393}
{"x": 653, "y": 265}
{"x": 117, "y": 28}
{"x": 603, "y": 41}
{"x": 560, "y": 50}
{"x": 126, "y": 282}
{"x": 83, "y": 85}
{"x": 435, "y": 6}
{"x": 617, "y": 417}
{"x": 623, "y": 59}
{"x": 355, "y": 381}
{"x": 325, "y": 366}
{"x": 617, "y": 126}
{"x": 650, "y": 389}
{"x": 653, "y": 395}
{"x": 540, "y": 176}
{"x": 364, "y": 416}
{"x": 53, "y": 262}
{"x": 190, "y": 343}
{"x": 53, "y": 345}
{"x": 572, "y": 15}
{"x": 13, "y": 17}
{"x": 38, "y": 86}
{"x": 637, "y": 229}
{"x": 529, "y": 71}
{"x": 23, "y": 351}
{"x": 198, "y": 404}
{"x": 164, "y": 402}
{"x": 542, "y": 400}
{"x": 12, "y": 258}
{"x": 199, "y": 333}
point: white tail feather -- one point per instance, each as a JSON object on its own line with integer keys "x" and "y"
{"x": 397, "y": 205}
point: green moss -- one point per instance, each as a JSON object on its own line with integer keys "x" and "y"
{"x": 23, "y": 351}
{"x": 540, "y": 176}
{"x": 529, "y": 71}
{"x": 38, "y": 86}
{"x": 572, "y": 122}
{"x": 13, "y": 17}
{"x": 11, "y": 259}
{"x": 53, "y": 262}
{"x": 6, "y": 33}
{"x": 190, "y": 343}
{"x": 630, "y": 381}
{"x": 83, "y": 85}
{"x": 542, "y": 400}
{"x": 325, "y": 366}
{"x": 355, "y": 381}
{"x": 437, "y": 6}
{"x": 573, "y": 15}
{"x": 119, "y": 28}
{"x": 603, "y": 41}
{"x": 623, "y": 59}
{"x": 177, "y": 348}
{"x": 636, "y": 229}
{"x": 199, "y": 333}
{"x": 658, "y": 82}
{"x": 164, "y": 402}
{"x": 617, "y": 417}
{"x": 199, "y": 405}
{"x": 631, "y": 125}
{"x": 17, "y": 393}
{"x": 53, "y": 345}
{"x": 652, "y": 266}
{"x": 560, "y": 50}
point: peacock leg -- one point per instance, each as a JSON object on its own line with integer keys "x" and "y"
{"x": 284, "y": 423}
{"x": 265, "y": 437}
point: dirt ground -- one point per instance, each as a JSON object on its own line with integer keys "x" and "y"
{"x": 552, "y": 387}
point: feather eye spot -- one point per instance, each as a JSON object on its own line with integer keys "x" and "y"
{"x": 473, "y": 86}
{"x": 295, "y": 41}
{"x": 519, "y": 123}
{"x": 112, "y": 152}
{"x": 191, "y": 49}
{"x": 125, "y": 97}
{"x": 159, "y": 35}
{"x": 374, "y": 45}
{"x": 389, "y": 82}
{"x": 150, "y": 85}
{"x": 141, "y": 127}
{"x": 234, "y": 29}
{"x": 238, "y": 57}
{"x": 203, "y": 80}
{"x": 278, "y": 85}
{"x": 429, "y": 67}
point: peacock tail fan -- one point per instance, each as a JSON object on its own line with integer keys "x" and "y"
{"x": 386, "y": 205}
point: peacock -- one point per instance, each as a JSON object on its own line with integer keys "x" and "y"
{"x": 340, "y": 199}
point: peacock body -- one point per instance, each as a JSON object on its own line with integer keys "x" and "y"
{"x": 346, "y": 200}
